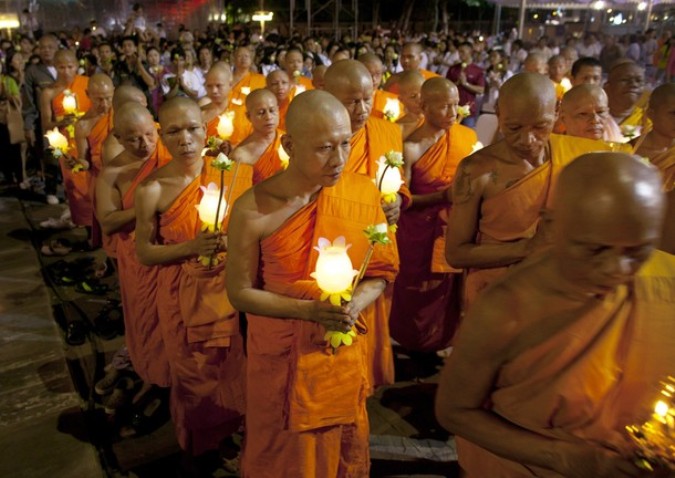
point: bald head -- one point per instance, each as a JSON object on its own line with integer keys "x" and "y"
{"x": 179, "y": 104}
{"x": 65, "y": 55}
{"x": 134, "y": 128}
{"x": 279, "y": 83}
{"x": 584, "y": 111}
{"x": 375, "y": 67}
{"x": 100, "y": 81}
{"x": 100, "y": 91}
{"x": 311, "y": 107}
{"x": 536, "y": 63}
{"x": 608, "y": 210}
{"x": 527, "y": 87}
{"x": 218, "y": 82}
{"x": 318, "y": 77}
{"x": 439, "y": 100}
{"x": 624, "y": 86}
{"x": 409, "y": 85}
{"x": 350, "y": 82}
{"x": 262, "y": 110}
{"x": 128, "y": 94}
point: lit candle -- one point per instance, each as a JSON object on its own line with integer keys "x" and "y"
{"x": 69, "y": 103}
{"x": 209, "y": 205}
{"x": 226, "y": 125}
{"x": 57, "y": 142}
{"x": 245, "y": 90}
{"x": 566, "y": 84}
{"x": 388, "y": 180}
{"x": 476, "y": 146}
{"x": 283, "y": 156}
{"x": 334, "y": 271}
{"x": 392, "y": 109}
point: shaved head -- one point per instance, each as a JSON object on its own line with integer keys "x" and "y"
{"x": 65, "y": 55}
{"x": 526, "y": 87}
{"x": 218, "y": 82}
{"x": 182, "y": 128}
{"x": 257, "y": 95}
{"x": 409, "y": 85}
{"x": 584, "y": 111}
{"x": 608, "y": 210}
{"x": 135, "y": 130}
{"x": 439, "y": 102}
{"x": 318, "y": 77}
{"x": 127, "y": 94}
{"x": 411, "y": 56}
{"x": 350, "y": 82}
{"x": 374, "y": 65}
{"x": 661, "y": 94}
{"x": 536, "y": 63}
{"x": 100, "y": 91}
{"x": 179, "y": 103}
{"x": 262, "y": 110}
{"x": 662, "y": 110}
{"x": 310, "y": 107}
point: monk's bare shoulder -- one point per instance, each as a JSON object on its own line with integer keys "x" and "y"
{"x": 474, "y": 173}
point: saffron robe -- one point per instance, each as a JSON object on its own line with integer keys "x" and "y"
{"x": 598, "y": 374}
{"x": 513, "y": 214}
{"x": 200, "y": 328}
{"x": 242, "y": 126}
{"x": 666, "y": 164}
{"x": 268, "y": 163}
{"x": 138, "y": 291}
{"x": 299, "y": 85}
{"x": 77, "y": 184}
{"x": 380, "y": 99}
{"x": 95, "y": 139}
{"x": 248, "y": 83}
{"x": 427, "y": 292}
{"x": 371, "y": 142}
{"x": 305, "y": 411}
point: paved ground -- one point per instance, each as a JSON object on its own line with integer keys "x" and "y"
{"x": 53, "y": 425}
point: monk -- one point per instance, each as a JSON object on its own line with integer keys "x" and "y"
{"x": 279, "y": 84}
{"x": 292, "y": 64}
{"x": 584, "y": 112}
{"x": 499, "y": 191}
{"x": 559, "y": 356}
{"x": 123, "y": 94}
{"x": 536, "y": 63}
{"x": 385, "y": 104}
{"x": 317, "y": 76}
{"x": 427, "y": 291}
{"x": 91, "y": 130}
{"x": 52, "y": 114}
{"x": 659, "y": 146}
{"x": 244, "y": 81}
{"x": 217, "y": 84}
{"x": 350, "y": 82}
{"x": 115, "y": 188}
{"x": 626, "y": 95}
{"x": 261, "y": 148}
{"x": 557, "y": 68}
{"x": 409, "y": 87}
{"x": 305, "y": 411}
{"x": 411, "y": 57}
{"x": 199, "y": 326}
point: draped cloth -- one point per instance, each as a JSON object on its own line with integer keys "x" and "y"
{"x": 76, "y": 185}
{"x": 246, "y": 84}
{"x": 513, "y": 214}
{"x": 95, "y": 139}
{"x": 427, "y": 292}
{"x": 599, "y": 373}
{"x": 138, "y": 291}
{"x": 200, "y": 328}
{"x": 268, "y": 163}
{"x": 242, "y": 126}
{"x": 305, "y": 414}
{"x": 368, "y": 144}
{"x": 666, "y": 164}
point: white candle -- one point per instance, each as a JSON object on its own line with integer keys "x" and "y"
{"x": 392, "y": 109}
{"x": 56, "y": 140}
{"x": 69, "y": 103}
{"x": 388, "y": 180}
{"x": 209, "y": 205}
{"x": 334, "y": 272}
{"x": 226, "y": 125}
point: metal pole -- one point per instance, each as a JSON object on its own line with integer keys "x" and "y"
{"x": 355, "y": 7}
{"x": 336, "y": 20}
{"x": 521, "y": 18}
{"x": 650, "y": 3}
{"x": 497, "y": 19}
{"x": 291, "y": 19}
{"x": 308, "y": 3}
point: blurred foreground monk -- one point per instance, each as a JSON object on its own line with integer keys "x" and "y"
{"x": 123, "y": 94}
{"x": 350, "y": 82}
{"x": 115, "y": 188}
{"x": 385, "y": 104}
{"x": 218, "y": 83}
{"x": 409, "y": 88}
{"x": 261, "y": 148}
{"x": 244, "y": 81}
{"x": 500, "y": 191}
{"x": 560, "y": 355}
{"x": 53, "y": 114}
{"x": 584, "y": 112}
{"x": 305, "y": 413}
{"x": 427, "y": 291}
{"x": 279, "y": 84}
{"x": 659, "y": 146}
{"x": 199, "y": 326}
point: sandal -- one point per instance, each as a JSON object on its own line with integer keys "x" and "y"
{"x": 76, "y": 333}
{"x": 110, "y": 320}
{"x": 92, "y": 287}
{"x": 55, "y": 247}
{"x": 120, "y": 396}
{"x": 68, "y": 273}
{"x": 106, "y": 385}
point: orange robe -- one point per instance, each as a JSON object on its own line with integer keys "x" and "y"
{"x": 666, "y": 164}
{"x": 242, "y": 126}
{"x": 138, "y": 291}
{"x": 95, "y": 140}
{"x": 428, "y": 74}
{"x": 200, "y": 328}
{"x": 305, "y": 411}
{"x": 420, "y": 122}
{"x": 513, "y": 214}
{"x": 268, "y": 163}
{"x": 76, "y": 184}
{"x": 371, "y": 142}
{"x": 283, "y": 109}
{"x": 595, "y": 376}
{"x": 248, "y": 83}
{"x": 299, "y": 85}
{"x": 380, "y": 99}
{"x": 427, "y": 294}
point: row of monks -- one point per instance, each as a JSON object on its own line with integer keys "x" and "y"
{"x": 461, "y": 220}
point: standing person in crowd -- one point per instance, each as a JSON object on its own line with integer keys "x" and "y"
{"x": 158, "y": 72}
{"x": 132, "y": 69}
{"x": 590, "y": 46}
{"x": 625, "y": 91}
{"x": 411, "y": 60}
{"x": 496, "y": 74}
{"x": 244, "y": 79}
{"x": 586, "y": 70}
{"x": 470, "y": 81}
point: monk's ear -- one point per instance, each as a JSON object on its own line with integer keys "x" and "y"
{"x": 287, "y": 143}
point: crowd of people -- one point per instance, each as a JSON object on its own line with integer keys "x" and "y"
{"x": 455, "y": 153}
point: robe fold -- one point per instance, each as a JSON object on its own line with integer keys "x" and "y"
{"x": 138, "y": 291}
{"x": 666, "y": 164}
{"x": 95, "y": 139}
{"x": 248, "y": 83}
{"x": 381, "y": 99}
{"x": 299, "y": 85}
{"x": 76, "y": 185}
{"x": 200, "y": 329}
{"x": 305, "y": 414}
{"x": 513, "y": 214}
{"x": 598, "y": 374}
{"x": 242, "y": 126}
{"x": 427, "y": 292}
{"x": 268, "y": 163}
{"x": 371, "y": 142}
